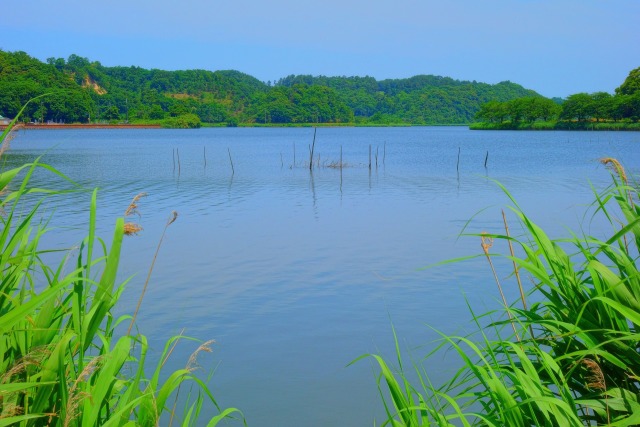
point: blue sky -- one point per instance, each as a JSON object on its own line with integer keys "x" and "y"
{"x": 556, "y": 47}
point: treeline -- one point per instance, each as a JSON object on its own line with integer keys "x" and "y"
{"x": 86, "y": 91}
{"x": 416, "y": 100}
{"x": 581, "y": 110}
{"x": 527, "y": 109}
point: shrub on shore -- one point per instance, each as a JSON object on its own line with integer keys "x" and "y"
{"x": 185, "y": 121}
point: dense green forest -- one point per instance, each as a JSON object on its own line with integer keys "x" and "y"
{"x": 86, "y": 91}
{"x": 416, "y": 100}
{"x": 599, "y": 110}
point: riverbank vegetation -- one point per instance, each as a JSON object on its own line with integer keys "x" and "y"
{"x": 65, "y": 359}
{"x": 85, "y": 91}
{"x": 581, "y": 111}
{"x": 564, "y": 354}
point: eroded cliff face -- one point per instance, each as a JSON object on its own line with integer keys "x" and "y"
{"x": 90, "y": 83}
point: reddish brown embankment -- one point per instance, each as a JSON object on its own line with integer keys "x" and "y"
{"x": 84, "y": 126}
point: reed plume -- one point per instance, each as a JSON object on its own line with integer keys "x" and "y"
{"x": 192, "y": 364}
{"x": 76, "y": 396}
{"x": 171, "y": 220}
{"x": 131, "y": 228}
{"x": 595, "y": 381}
{"x": 486, "y": 242}
{"x": 34, "y": 358}
{"x": 595, "y": 377}
{"x": 133, "y": 206}
{"x": 614, "y": 164}
{"x": 11, "y": 410}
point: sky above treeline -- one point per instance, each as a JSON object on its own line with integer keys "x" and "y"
{"x": 555, "y": 47}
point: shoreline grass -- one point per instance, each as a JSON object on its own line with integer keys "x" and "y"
{"x": 62, "y": 363}
{"x": 572, "y": 358}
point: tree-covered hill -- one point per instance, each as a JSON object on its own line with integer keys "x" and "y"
{"x": 84, "y": 90}
{"x": 417, "y": 100}
{"x": 23, "y": 78}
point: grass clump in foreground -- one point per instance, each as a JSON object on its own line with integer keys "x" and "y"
{"x": 61, "y": 361}
{"x": 570, "y": 358}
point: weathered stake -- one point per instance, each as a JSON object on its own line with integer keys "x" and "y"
{"x": 178, "y": 155}
{"x": 312, "y": 148}
{"x": 340, "y": 168}
{"x": 384, "y": 153}
{"x": 233, "y": 171}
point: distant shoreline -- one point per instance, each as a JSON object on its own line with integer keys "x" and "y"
{"x": 474, "y": 126}
{"x": 58, "y": 126}
{"x": 221, "y": 125}
{"x": 559, "y": 125}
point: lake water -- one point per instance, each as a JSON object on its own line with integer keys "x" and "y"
{"x": 295, "y": 274}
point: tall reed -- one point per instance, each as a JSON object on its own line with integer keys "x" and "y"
{"x": 62, "y": 363}
{"x": 577, "y": 361}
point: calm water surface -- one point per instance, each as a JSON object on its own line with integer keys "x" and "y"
{"x": 296, "y": 274}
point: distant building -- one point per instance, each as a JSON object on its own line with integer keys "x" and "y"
{"x": 4, "y": 120}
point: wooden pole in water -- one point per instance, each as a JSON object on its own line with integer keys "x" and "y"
{"x": 340, "y": 168}
{"x": 384, "y": 153}
{"x": 233, "y": 171}
{"x": 204, "y": 149}
{"x": 458, "y": 163}
{"x": 369, "y": 156}
{"x": 178, "y": 155}
{"x": 377, "y": 148}
{"x": 312, "y": 148}
{"x": 485, "y": 159}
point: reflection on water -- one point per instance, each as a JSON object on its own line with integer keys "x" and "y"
{"x": 295, "y": 274}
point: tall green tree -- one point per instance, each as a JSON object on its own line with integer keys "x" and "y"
{"x": 577, "y": 107}
{"x": 631, "y": 84}
{"x": 493, "y": 112}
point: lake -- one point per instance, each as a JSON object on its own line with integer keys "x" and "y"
{"x": 295, "y": 273}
